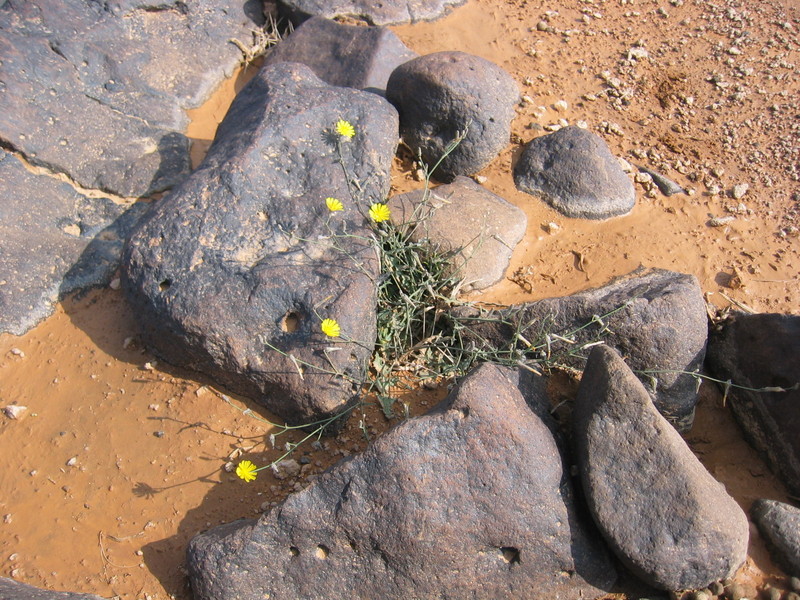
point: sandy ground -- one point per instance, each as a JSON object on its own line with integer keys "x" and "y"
{"x": 119, "y": 459}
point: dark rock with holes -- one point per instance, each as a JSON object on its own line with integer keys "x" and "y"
{"x": 98, "y": 90}
{"x": 471, "y": 500}
{"x": 657, "y": 320}
{"x": 15, "y": 590}
{"x": 385, "y": 12}
{"x": 779, "y": 523}
{"x": 233, "y": 272}
{"x": 763, "y": 351}
{"x": 574, "y": 171}
{"x": 344, "y": 55}
{"x": 478, "y": 228}
{"x": 55, "y": 241}
{"x": 658, "y": 508}
{"x": 444, "y": 93}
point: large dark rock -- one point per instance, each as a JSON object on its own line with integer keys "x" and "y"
{"x": 661, "y": 512}
{"x": 480, "y": 229}
{"x": 779, "y": 523}
{"x": 657, "y": 320}
{"x": 763, "y": 351}
{"x": 444, "y": 93}
{"x": 98, "y": 90}
{"x": 470, "y": 501}
{"x": 14, "y": 590}
{"x": 344, "y": 55}
{"x": 54, "y": 241}
{"x": 386, "y": 12}
{"x": 233, "y": 272}
{"x": 574, "y": 172}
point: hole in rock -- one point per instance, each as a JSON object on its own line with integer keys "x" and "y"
{"x": 165, "y": 285}
{"x": 290, "y": 322}
{"x": 294, "y": 551}
{"x": 322, "y": 552}
{"x": 509, "y": 554}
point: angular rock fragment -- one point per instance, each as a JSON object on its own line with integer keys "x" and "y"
{"x": 233, "y": 273}
{"x": 658, "y": 508}
{"x": 54, "y": 241}
{"x": 344, "y": 55}
{"x": 389, "y": 12}
{"x": 763, "y": 351}
{"x": 779, "y": 523}
{"x": 468, "y": 501}
{"x": 478, "y": 227}
{"x": 444, "y": 93}
{"x": 657, "y": 320}
{"x": 574, "y": 172}
{"x": 15, "y": 590}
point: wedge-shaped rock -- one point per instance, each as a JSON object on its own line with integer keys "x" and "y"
{"x": 658, "y": 508}
{"x": 470, "y": 501}
{"x": 657, "y": 320}
{"x": 779, "y": 523}
{"x": 14, "y": 590}
{"x": 233, "y": 273}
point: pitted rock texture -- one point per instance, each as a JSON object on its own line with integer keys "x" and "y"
{"x": 574, "y": 172}
{"x": 98, "y": 90}
{"x": 441, "y": 94}
{"x": 763, "y": 351}
{"x": 658, "y": 508}
{"x": 657, "y": 320}
{"x": 14, "y": 590}
{"x": 779, "y": 523}
{"x": 469, "y": 501}
{"x": 233, "y": 272}
{"x": 54, "y": 241}
{"x": 478, "y": 228}
{"x": 344, "y": 55}
{"x": 390, "y": 12}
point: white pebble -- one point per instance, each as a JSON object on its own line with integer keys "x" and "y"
{"x": 14, "y": 411}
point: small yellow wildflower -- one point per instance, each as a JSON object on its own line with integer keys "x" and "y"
{"x": 345, "y": 129}
{"x": 331, "y": 328}
{"x": 333, "y": 204}
{"x": 246, "y": 470}
{"x": 379, "y": 212}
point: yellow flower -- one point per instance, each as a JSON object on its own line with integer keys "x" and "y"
{"x": 246, "y": 470}
{"x": 331, "y": 328}
{"x": 333, "y": 204}
{"x": 345, "y": 129}
{"x": 379, "y": 212}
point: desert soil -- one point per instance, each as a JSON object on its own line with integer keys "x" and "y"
{"x": 120, "y": 459}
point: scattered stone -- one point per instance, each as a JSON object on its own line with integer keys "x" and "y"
{"x": 471, "y": 500}
{"x": 72, "y": 461}
{"x": 794, "y": 583}
{"x": 14, "y": 590}
{"x": 574, "y": 172}
{"x": 389, "y": 12}
{"x": 763, "y": 351}
{"x": 42, "y": 261}
{"x": 14, "y": 411}
{"x": 773, "y": 593}
{"x": 779, "y": 523}
{"x": 658, "y": 508}
{"x": 17, "y": 352}
{"x": 444, "y": 93}
{"x": 252, "y": 222}
{"x": 560, "y": 106}
{"x": 664, "y": 184}
{"x": 638, "y": 53}
{"x": 721, "y": 221}
{"x": 344, "y": 55}
{"x": 478, "y": 228}
{"x": 286, "y": 468}
{"x": 739, "y": 191}
{"x": 656, "y": 319}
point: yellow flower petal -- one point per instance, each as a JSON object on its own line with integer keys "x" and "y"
{"x": 379, "y": 212}
{"x": 345, "y": 129}
{"x": 331, "y": 328}
{"x": 333, "y": 204}
{"x": 246, "y": 470}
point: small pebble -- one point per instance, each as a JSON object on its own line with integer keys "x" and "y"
{"x": 721, "y": 221}
{"x": 17, "y": 352}
{"x": 792, "y": 596}
{"x": 159, "y": 434}
{"x": 716, "y": 588}
{"x": 773, "y": 593}
{"x": 794, "y": 584}
{"x": 8, "y": 518}
{"x": 740, "y": 190}
{"x": 560, "y": 106}
{"x": 72, "y": 461}
{"x": 115, "y": 283}
{"x": 14, "y": 411}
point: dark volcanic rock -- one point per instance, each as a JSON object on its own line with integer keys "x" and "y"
{"x": 656, "y": 320}
{"x": 391, "y": 12}
{"x": 478, "y": 227}
{"x": 441, "y": 94}
{"x": 779, "y": 523}
{"x": 54, "y": 241}
{"x": 98, "y": 90}
{"x": 14, "y": 590}
{"x": 344, "y": 55}
{"x": 661, "y": 512}
{"x": 574, "y": 172}
{"x": 759, "y": 351}
{"x": 232, "y": 273}
{"x": 470, "y": 501}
